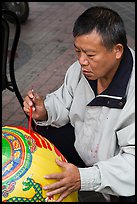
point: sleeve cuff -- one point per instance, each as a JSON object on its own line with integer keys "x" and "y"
{"x": 41, "y": 123}
{"x": 90, "y": 178}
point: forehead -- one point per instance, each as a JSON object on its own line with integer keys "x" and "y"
{"x": 92, "y": 39}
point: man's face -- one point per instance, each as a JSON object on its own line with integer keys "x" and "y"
{"x": 96, "y": 61}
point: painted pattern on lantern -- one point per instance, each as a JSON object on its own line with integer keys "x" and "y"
{"x": 26, "y": 158}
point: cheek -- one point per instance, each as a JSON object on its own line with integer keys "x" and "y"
{"x": 96, "y": 63}
{"x": 100, "y": 66}
{"x": 103, "y": 61}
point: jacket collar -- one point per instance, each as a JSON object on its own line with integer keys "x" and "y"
{"x": 115, "y": 95}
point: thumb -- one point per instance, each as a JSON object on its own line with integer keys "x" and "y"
{"x": 37, "y": 99}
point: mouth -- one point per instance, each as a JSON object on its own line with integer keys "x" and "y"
{"x": 88, "y": 74}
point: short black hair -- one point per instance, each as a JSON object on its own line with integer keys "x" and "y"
{"x": 105, "y": 21}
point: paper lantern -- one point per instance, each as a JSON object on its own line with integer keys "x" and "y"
{"x": 26, "y": 159}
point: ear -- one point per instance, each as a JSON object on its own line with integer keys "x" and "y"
{"x": 119, "y": 49}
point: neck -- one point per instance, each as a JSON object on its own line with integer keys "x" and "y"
{"x": 102, "y": 85}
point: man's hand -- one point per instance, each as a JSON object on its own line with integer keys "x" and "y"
{"x": 68, "y": 181}
{"x": 38, "y": 109}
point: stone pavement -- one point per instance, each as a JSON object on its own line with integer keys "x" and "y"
{"x": 45, "y": 51}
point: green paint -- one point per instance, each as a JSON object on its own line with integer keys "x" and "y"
{"x": 6, "y": 151}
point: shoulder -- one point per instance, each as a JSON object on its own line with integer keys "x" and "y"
{"x": 132, "y": 78}
{"x": 132, "y": 51}
{"x": 74, "y": 71}
{"x": 75, "y": 67}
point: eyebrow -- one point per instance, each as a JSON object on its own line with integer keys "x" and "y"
{"x": 86, "y": 50}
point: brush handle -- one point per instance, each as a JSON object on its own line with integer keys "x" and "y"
{"x": 30, "y": 119}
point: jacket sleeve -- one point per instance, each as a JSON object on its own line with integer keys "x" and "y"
{"x": 59, "y": 102}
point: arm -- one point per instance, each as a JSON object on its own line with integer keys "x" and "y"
{"x": 59, "y": 102}
{"x": 116, "y": 175}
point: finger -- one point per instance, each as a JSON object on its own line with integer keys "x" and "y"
{"x": 37, "y": 99}
{"x": 56, "y": 191}
{"x": 33, "y": 99}
{"x": 57, "y": 176}
{"x": 61, "y": 163}
{"x": 27, "y": 104}
{"x": 31, "y": 93}
{"x": 26, "y": 107}
{"x": 62, "y": 196}
{"x": 55, "y": 185}
{"x": 28, "y": 101}
{"x": 26, "y": 110}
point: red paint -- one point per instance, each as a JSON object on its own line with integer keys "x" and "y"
{"x": 30, "y": 119}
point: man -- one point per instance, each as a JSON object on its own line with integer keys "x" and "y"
{"x": 97, "y": 100}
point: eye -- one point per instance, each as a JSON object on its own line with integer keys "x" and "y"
{"x": 77, "y": 50}
{"x": 90, "y": 56}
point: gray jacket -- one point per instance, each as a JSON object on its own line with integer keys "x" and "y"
{"x": 104, "y": 126}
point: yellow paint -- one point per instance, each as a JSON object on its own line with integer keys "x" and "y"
{"x": 43, "y": 162}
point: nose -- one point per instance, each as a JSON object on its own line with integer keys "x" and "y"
{"x": 83, "y": 59}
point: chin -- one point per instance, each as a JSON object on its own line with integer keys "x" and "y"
{"x": 91, "y": 77}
